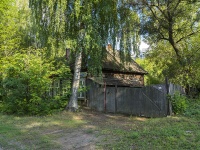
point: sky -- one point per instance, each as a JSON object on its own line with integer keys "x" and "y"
{"x": 143, "y": 46}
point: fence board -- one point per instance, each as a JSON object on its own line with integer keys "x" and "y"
{"x": 146, "y": 101}
{"x": 96, "y": 96}
{"x": 110, "y": 99}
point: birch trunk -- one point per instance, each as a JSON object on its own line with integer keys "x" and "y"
{"x": 73, "y": 103}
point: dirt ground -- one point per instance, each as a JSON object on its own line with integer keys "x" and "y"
{"x": 88, "y": 137}
{"x": 78, "y": 140}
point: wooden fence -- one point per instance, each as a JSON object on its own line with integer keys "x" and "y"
{"x": 146, "y": 101}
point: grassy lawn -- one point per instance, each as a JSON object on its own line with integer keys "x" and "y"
{"x": 101, "y": 131}
{"x": 33, "y": 132}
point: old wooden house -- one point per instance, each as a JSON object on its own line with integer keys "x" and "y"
{"x": 121, "y": 89}
{"x": 114, "y": 73}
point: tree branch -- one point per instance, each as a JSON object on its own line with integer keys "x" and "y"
{"x": 176, "y": 6}
{"x": 164, "y": 38}
{"x": 187, "y": 36}
{"x": 155, "y": 16}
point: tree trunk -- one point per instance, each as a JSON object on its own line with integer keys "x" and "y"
{"x": 73, "y": 104}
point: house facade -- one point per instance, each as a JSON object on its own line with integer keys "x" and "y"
{"x": 114, "y": 73}
{"x": 121, "y": 89}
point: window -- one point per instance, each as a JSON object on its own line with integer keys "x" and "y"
{"x": 56, "y": 87}
{"x": 65, "y": 87}
{"x": 81, "y": 93}
{"x": 59, "y": 87}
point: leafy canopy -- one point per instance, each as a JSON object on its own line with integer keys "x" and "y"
{"x": 87, "y": 25}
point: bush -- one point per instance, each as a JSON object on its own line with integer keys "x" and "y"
{"x": 193, "y": 109}
{"x": 25, "y": 78}
{"x": 179, "y": 103}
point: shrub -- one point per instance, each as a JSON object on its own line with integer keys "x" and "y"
{"x": 193, "y": 109}
{"x": 25, "y": 78}
{"x": 179, "y": 103}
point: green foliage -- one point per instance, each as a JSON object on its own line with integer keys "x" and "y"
{"x": 9, "y": 28}
{"x": 172, "y": 29}
{"x": 172, "y": 21}
{"x": 155, "y": 73}
{"x": 26, "y": 73}
{"x": 179, "y": 103}
{"x": 25, "y": 82}
{"x": 85, "y": 26}
{"x": 161, "y": 58}
{"x": 193, "y": 109}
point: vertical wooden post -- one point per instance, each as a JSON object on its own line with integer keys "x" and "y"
{"x": 169, "y": 105}
{"x": 104, "y": 96}
{"x": 167, "y": 84}
{"x": 115, "y": 98}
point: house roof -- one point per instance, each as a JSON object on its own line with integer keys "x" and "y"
{"x": 113, "y": 62}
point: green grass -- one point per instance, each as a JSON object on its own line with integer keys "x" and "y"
{"x": 113, "y": 132}
{"x": 30, "y": 132}
{"x": 175, "y": 132}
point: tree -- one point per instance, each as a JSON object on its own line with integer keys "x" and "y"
{"x": 25, "y": 71}
{"x": 154, "y": 69}
{"x": 173, "y": 24}
{"x": 173, "y": 21}
{"x": 161, "y": 56}
{"x": 9, "y": 28}
{"x": 86, "y": 26}
{"x": 25, "y": 83}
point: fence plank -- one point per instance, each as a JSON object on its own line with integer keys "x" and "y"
{"x": 146, "y": 101}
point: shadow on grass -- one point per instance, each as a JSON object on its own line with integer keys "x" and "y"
{"x": 99, "y": 130}
{"x": 32, "y": 132}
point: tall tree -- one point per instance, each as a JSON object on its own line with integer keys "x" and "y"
{"x": 85, "y": 26}
{"x": 174, "y": 21}
{"x": 9, "y": 28}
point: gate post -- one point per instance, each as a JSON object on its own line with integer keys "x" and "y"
{"x": 169, "y": 105}
{"x": 115, "y": 98}
{"x": 105, "y": 96}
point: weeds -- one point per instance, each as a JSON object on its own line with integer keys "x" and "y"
{"x": 179, "y": 103}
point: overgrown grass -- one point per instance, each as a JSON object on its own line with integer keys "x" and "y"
{"x": 174, "y": 132}
{"x": 125, "y": 133}
{"x": 32, "y": 132}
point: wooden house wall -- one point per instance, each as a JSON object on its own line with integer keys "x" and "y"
{"x": 136, "y": 77}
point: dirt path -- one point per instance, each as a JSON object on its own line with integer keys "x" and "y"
{"x": 78, "y": 140}
{"x": 88, "y": 137}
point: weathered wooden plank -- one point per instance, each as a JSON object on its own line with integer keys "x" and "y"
{"x": 147, "y": 101}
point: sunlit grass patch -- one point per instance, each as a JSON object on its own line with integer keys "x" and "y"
{"x": 31, "y": 132}
{"x": 177, "y": 132}
{"x": 110, "y": 131}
